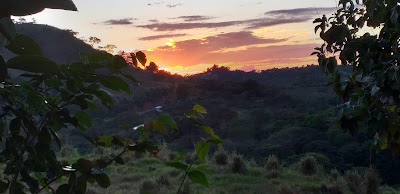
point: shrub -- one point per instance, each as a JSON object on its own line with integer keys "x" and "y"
{"x": 372, "y": 181}
{"x": 353, "y": 181}
{"x": 164, "y": 180}
{"x": 308, "y": 165}
{"x": 272, "y": 167}
{"x": 272, "y": 163}
{"x": 221, "y": 158}
{"x": 148, "y": 187}
{"x": 237, "y": 164}
{"x": 334, "y": 175}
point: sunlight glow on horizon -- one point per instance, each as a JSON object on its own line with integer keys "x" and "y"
{"x": 187, "y": 49}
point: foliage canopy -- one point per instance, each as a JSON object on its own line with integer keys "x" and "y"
{"x": 48, "y": 97}
{"x": 371, "y": 94}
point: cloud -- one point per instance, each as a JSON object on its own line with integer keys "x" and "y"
{"x": 174, "y": 5}
{"x": 124, "y": 21}
{"x": 258, "y": 3}
{"x": 270, "y": 18}
{"x": 193, "y": 18}
{"x": 301, "y": 12}
{"x": 157, "y": 37}
{"x": 256, "y": 57}
{"x": 219, "y": 42}
{"x": 241, "y": 47}
{"x": 187, "y": 26}
{"x": 159, "y": 3}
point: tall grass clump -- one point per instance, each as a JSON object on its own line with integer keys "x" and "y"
{"x": 237, "y": 164}
{"x": 372, "y": 181}
{"x": 221, "y": 158}
{"x": 149, "y": 187}
{"x": 308, "y": 165}
{"x": 272, "y": 167}
{"x": 164, "y": 180}
{"x": 353, "y": 181}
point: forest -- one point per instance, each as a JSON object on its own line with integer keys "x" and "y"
{"x": 78, "y": 119}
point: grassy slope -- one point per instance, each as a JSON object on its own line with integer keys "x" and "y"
{"x": 128, "y": 179}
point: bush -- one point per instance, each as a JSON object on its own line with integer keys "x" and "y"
{"x": 238, "y": 165}
{"x": 164, "y": 180}
{"x": 353, "y": 181}
{"x": 308, "y": 165}
{"x": 272, "y": 167}
{"x": 148, "y": 187}
{"x": 372, "y": 181}
{"x": 334, "y": 175}
{"x": 272, "y": 163}
{"x": 221, "y": 158}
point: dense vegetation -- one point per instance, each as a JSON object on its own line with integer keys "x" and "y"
{"x": 283, "y": 121}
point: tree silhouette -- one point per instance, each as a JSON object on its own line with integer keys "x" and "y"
{"x": 371, "y": 94}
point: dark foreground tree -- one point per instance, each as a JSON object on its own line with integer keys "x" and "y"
{"x": 371, "y": 93}
{"x": 48, "y": 97}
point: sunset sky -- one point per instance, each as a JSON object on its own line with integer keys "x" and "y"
{"x": 187, "y": 36}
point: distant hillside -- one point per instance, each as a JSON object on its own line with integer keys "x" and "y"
{"x": 58, "y": 45}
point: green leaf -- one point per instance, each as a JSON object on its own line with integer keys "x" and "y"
{"x": 105, "y": 98}
{"x": 102, "y": 180}
{"x": 199, "y": 109}
{"x": 7, "y": 31}
{"x": 32, "y": 63}
{"x": 105, "y": 141}
{"x": 202, "y": 150}
{"x": 96, "y": 57}
{"x": 142, "y": 147}
{"x": 56, "y": 138}
{"x": 169, "y": 121}
{"x": 44, "y": 137}
{"x": 3, "y": 187}
{"x": 178, "y": 165}
{"x": 117, "y": 62}
{"x": 156, "y": 126}
{"x": 208, "y": 130}
{"x": 84, "y": 165}
{"x": 134, "y": 59}
{"x": 25, "y": 7}
{"x": 81, "y": 184}
{"x": 141, "y": 57}
{"x": 2, "y": 129}
{"x": 84, "y": 118}
{"x": 130, "y": 77}
{"x": 119, "y": 160}
{"x": 215, "y": 140}
{"x": 63, "y": 189}
{"x": 115, "y": 83}
{"x": 198, "y": 177}
{"x": 60, "y": 4}
{"x": 24, "y": 45}
{"x": 3, "y": 69}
